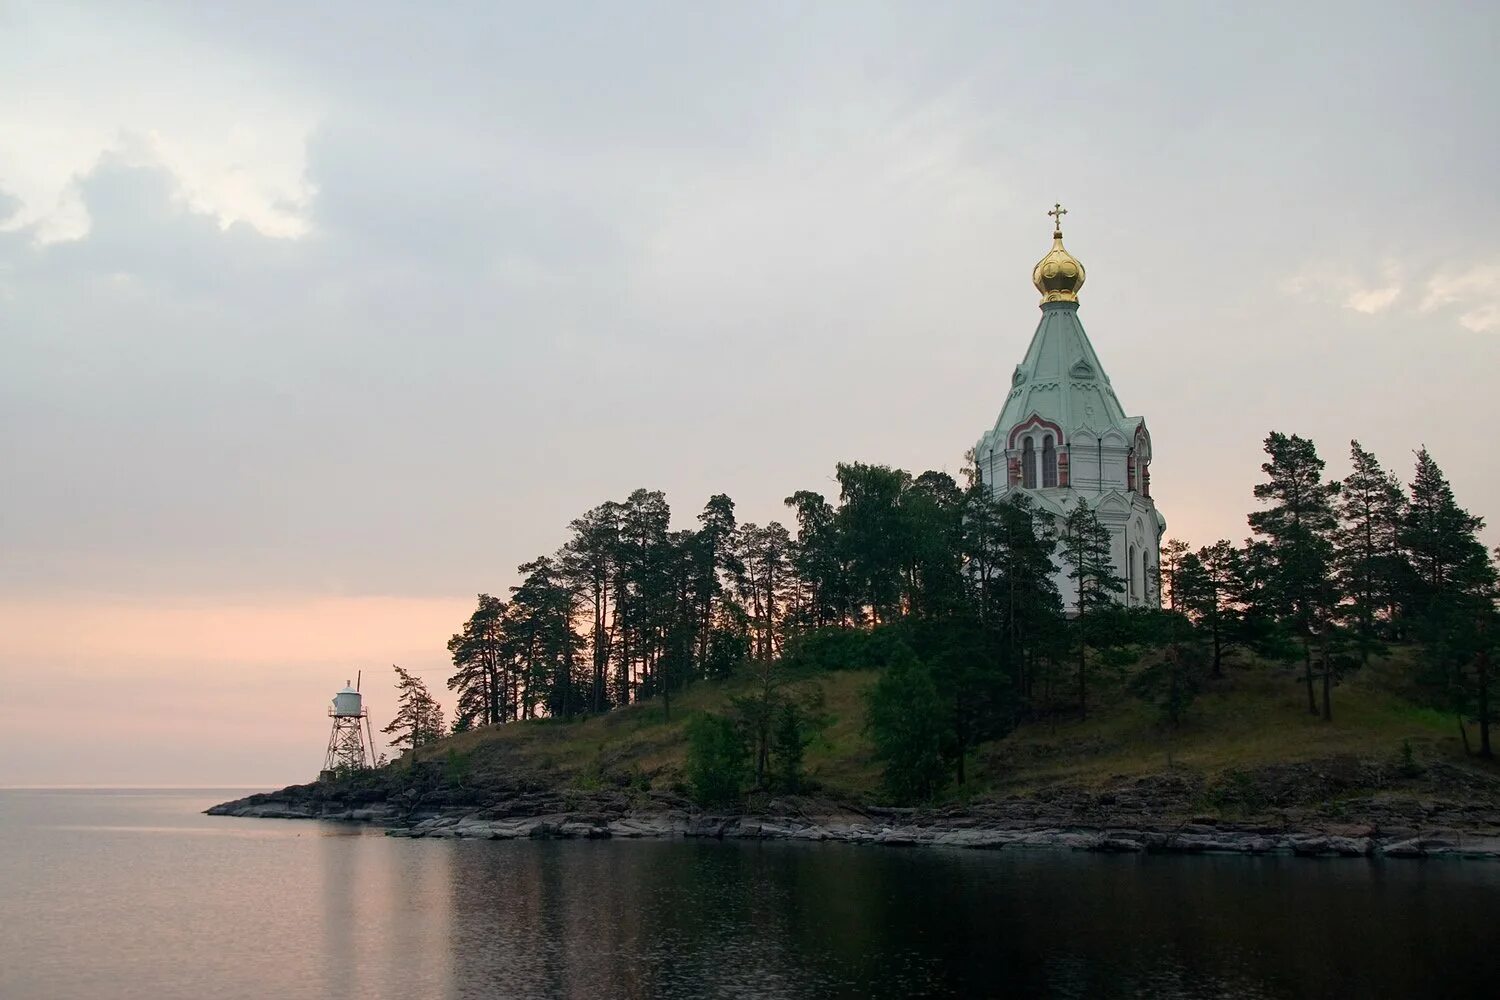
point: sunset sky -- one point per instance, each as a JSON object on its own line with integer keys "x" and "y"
{"x": 315, "y": 321}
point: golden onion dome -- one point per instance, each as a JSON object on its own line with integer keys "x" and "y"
{"x": 1059, "y": 275}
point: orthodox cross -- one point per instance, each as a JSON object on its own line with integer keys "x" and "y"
{"x": 1057, "y": 213}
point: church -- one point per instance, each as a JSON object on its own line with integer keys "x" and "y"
{"x": 1063, "y": 437}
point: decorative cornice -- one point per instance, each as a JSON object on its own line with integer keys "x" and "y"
{"x": 1034, "y": 421}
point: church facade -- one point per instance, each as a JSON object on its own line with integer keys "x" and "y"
{"x": 1063, "y": 437}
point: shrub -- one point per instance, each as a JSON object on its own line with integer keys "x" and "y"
{"x": 716, "y": 761}
{"x": 905, "y": 721}
{"x": 456, "y": 768}
{"x": 1237, "y": 789}
{"x": 791, "y": 738}
{"x": 827, "y": 649}
{"x": 1408, "y": 763}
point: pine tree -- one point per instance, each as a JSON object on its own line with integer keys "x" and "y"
{"x": 480, "y": 666}
{"x": 643, "y": 592}
{"x": 541, "y": 642}
{"x": 713, "y": 558}
{"x": 419, "y": 718}
{"x": 765, "y": 554}
{"x": 683, "y": 622}
{"x": 1298, "y": 529}
{"x": 820, "y": 562}
{"x": 590, "y": 562}
{"x": 1212, "y": 584}
{"x": 1172, "y": 554}
{"x": 1086, "y": 550}
{"x": 932, "y": 510}
{"x": 755, "y": 716}
{"x": 1452, "y": 595}
{"x": 905, "y": 718}
{"x": 1369, "y": 561}
{"x": 1441, "y": 539}
{"x": 876, "y": 533}
{"x": 789, "y": 742}
{"x": 1007, "y": 552}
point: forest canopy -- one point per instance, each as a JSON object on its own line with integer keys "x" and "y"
{"x": 952, "y": 592}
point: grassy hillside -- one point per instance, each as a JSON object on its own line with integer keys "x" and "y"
{"x": 1256, "y": 715}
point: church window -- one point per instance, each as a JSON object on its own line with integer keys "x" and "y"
{"x": 1131, "y": 572}
{"x": 1028, "y": 463}
{"x": 1049, "y": 461}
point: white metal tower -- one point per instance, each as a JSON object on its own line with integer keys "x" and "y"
{"x": 351, "y": 745}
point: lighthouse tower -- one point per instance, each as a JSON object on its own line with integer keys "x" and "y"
{"x": 351, "y": 746}
{"x": 1063, "y": 438}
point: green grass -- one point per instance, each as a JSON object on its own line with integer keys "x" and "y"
{"x": 639, "y": 739}
{"x": 1256, "y": 715}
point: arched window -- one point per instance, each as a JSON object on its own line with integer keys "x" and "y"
{"x": 1028, "y": 463}
{"x": 1049, "y": 461}
{"x": 1131, "y": 573}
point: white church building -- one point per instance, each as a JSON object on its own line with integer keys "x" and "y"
{"x": 1062, "y": 435}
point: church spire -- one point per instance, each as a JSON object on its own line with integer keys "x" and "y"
{"x": 1059, "y": 275}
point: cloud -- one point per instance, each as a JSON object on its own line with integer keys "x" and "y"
{"x": 1486, "y": 317}
{"x": 1372, "y": 300}
{"x": 234, "y": 138}
{"x": 1474, "y": 290}
{"x": 1477, "y": 288}
{"x": 1348, "y": 289}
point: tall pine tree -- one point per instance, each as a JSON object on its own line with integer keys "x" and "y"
{"x": 1086, "y": 550}
{"x": 1297, "y": 528}
{"x": 480, "y": 666}
{"x": 1211, "y": 582}
{"x": 1369, "y": 560}
{"x": 590, "y": 561}
{"x": 1451, "y": 596}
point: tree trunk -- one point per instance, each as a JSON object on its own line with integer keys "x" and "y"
{"x": 1366, "y": 610}
{"x": 597, "y": 694}
{"x": 958, "y": 727}
{"x": 1327, "y": 676}
{"x": 1083, "y": 705}
{"x": 1312, "y": 700}
{"x": 666, "y": 689}
{"x": 493, "y": 677}
{"x": 762, "y": 754}
{"x": 1366, "y": 638}
{"x": 625, "y": 654}
{"x": 1482, "y": 671}
{"x": 1327, "y": 691}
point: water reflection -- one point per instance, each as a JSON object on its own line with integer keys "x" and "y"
{"x": 176, "y": 905}
{"x": 768, "y": 920}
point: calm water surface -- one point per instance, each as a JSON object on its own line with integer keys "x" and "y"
{"x": 134, "y": 894}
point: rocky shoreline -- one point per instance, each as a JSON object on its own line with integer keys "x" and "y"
{"x": 1457, "y": 815}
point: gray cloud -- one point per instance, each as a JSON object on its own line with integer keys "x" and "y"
{"x": 547, "y": 256}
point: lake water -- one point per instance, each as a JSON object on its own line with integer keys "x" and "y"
{"x": 134, "y": 894}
